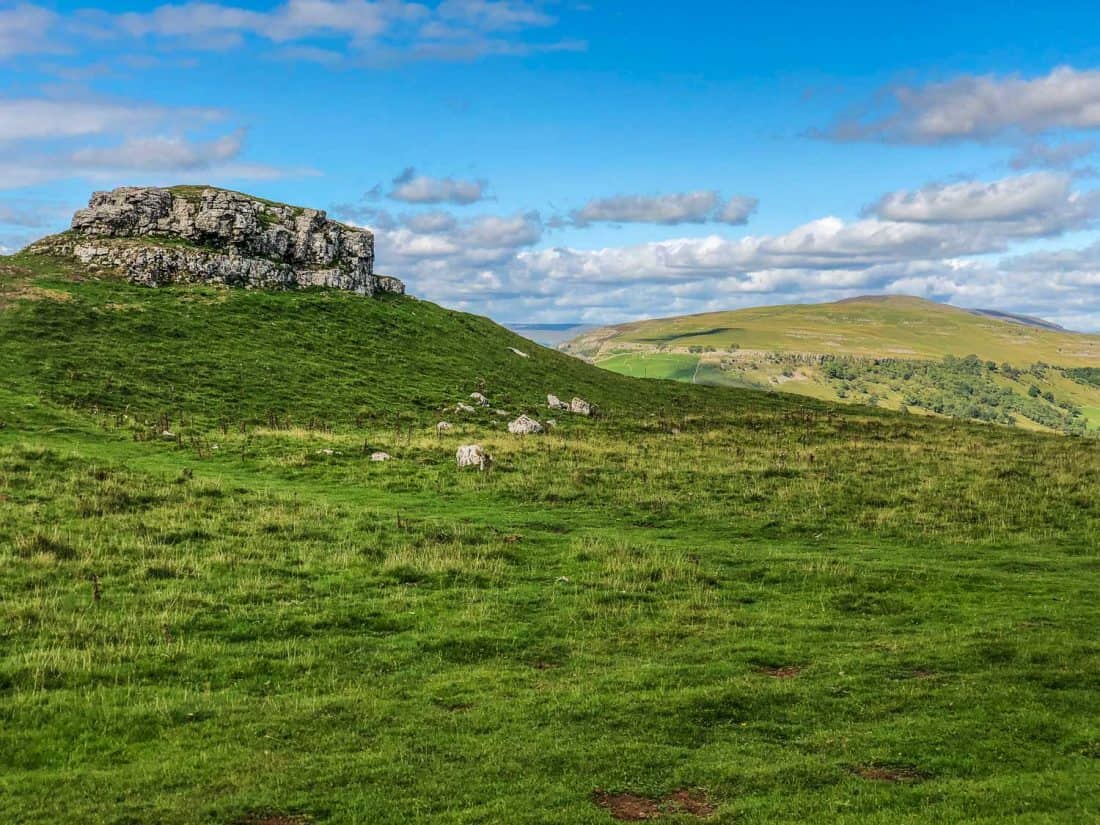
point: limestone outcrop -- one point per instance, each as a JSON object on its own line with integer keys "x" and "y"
{"x": 205, "y": 235}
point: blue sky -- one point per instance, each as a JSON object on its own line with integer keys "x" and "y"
{"x": 596, "y": 162}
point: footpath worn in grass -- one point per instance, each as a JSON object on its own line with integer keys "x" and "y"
{"x": 774, "y": 609}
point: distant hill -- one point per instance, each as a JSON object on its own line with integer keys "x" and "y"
{"x": 550, "y": 335}
{"x": 1027, "y": 363}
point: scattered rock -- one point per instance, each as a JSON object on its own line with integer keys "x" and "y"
{"x": 500, "y": 412}
{"x": 207, "y": 235}
{"x": 551, "y": 422}
{"x": 380, "y": 456}
{"x": 479, "y": 399}
{"x": 460, "y": 407}
{"x": 325, "y": 451}
{"x": 524, "y": 425}
{"x": 444, "y": 427}
{"x": 555, "y": 403}
{"x": 168, "y": 435}
{"x": 580, "y": 406}
{"x": 520, "y": 353}
{"x": 472, "y": 455}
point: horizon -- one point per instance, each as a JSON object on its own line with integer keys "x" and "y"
{"x": 795, "y": 154}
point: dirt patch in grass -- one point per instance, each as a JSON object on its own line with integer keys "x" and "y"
{"x": 890, "y": 773}
{"x": 780, "y": 672}
{"x": 27, "y": 292}
{"x": 630, "y": 807}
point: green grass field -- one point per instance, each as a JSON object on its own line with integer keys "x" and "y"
{"x": 797, "y": 611}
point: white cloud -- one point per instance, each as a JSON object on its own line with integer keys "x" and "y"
{"x": 48, "y": 119}
{"x": 1051, "y": 155}
{"x": 677, "y": 208}
{"x": 686, "y": 207}
{"x": 431, "y": 222}
{"x": 161, "y": 154}
{"x": 410, "y": 187}
{"x": 156, "y": 159}
{"x": 492, "y": 264}
{"x": 980, "y": 107}
{"x": 737, "y": 210}
{"x": 377, "y": 31}
{"x": 1043, "y": 201}
{"x": 25, "y": 29}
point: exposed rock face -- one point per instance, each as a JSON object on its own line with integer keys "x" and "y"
{"x": 555, "y": 403}
{"x": 192, "y": 235}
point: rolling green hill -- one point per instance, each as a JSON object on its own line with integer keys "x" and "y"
{"x": 703, "y": 602}
{"x": 897, "y": 352}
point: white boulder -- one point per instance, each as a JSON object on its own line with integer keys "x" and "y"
{"x": 580, "y": 406}
{"x": 479, "y": 399}
{"x": 524, "y": 425}
{"x": 472, "y": 455}
{"x": 380, "y": 456}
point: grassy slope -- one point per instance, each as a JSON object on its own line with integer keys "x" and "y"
{"x": 766, "y": 348}
{"x": 878, "y": 327}
{"x": 283, "y": 629}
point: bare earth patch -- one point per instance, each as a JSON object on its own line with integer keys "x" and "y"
{"x": 781, "y": 672}
{"x": 26, "y": 292}
{"x": 630, "y": 807}
{"x": 890, "y": 773}
{"x": 273, "y": 819}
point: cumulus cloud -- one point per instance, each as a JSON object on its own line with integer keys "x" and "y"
{"x": 925, "y": 242}
{"x": 678, "y": 208}
{"x": 978, "y": 107}
{"x": 410, "y": 187}
{"x": 1039, "y": 203}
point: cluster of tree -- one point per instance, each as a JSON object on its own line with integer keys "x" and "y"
{"x": 1086, "y": 375}
{"x": 957, "y": 387}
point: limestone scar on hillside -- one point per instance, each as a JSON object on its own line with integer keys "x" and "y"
{"x": 203, "y": 235}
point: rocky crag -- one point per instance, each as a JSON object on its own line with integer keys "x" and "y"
{"x": 188, "y": 235}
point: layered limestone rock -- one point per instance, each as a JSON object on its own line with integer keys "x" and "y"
{"x": 206, "y": 235}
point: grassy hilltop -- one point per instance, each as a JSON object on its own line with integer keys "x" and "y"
{"x": 707, "y": 604}
{"x": 891, "y": 351}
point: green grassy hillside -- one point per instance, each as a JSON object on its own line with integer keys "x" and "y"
{"x": 750, "y": 606}
{"x": 878, "y": 327}
{"x": 896, "y": 352}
